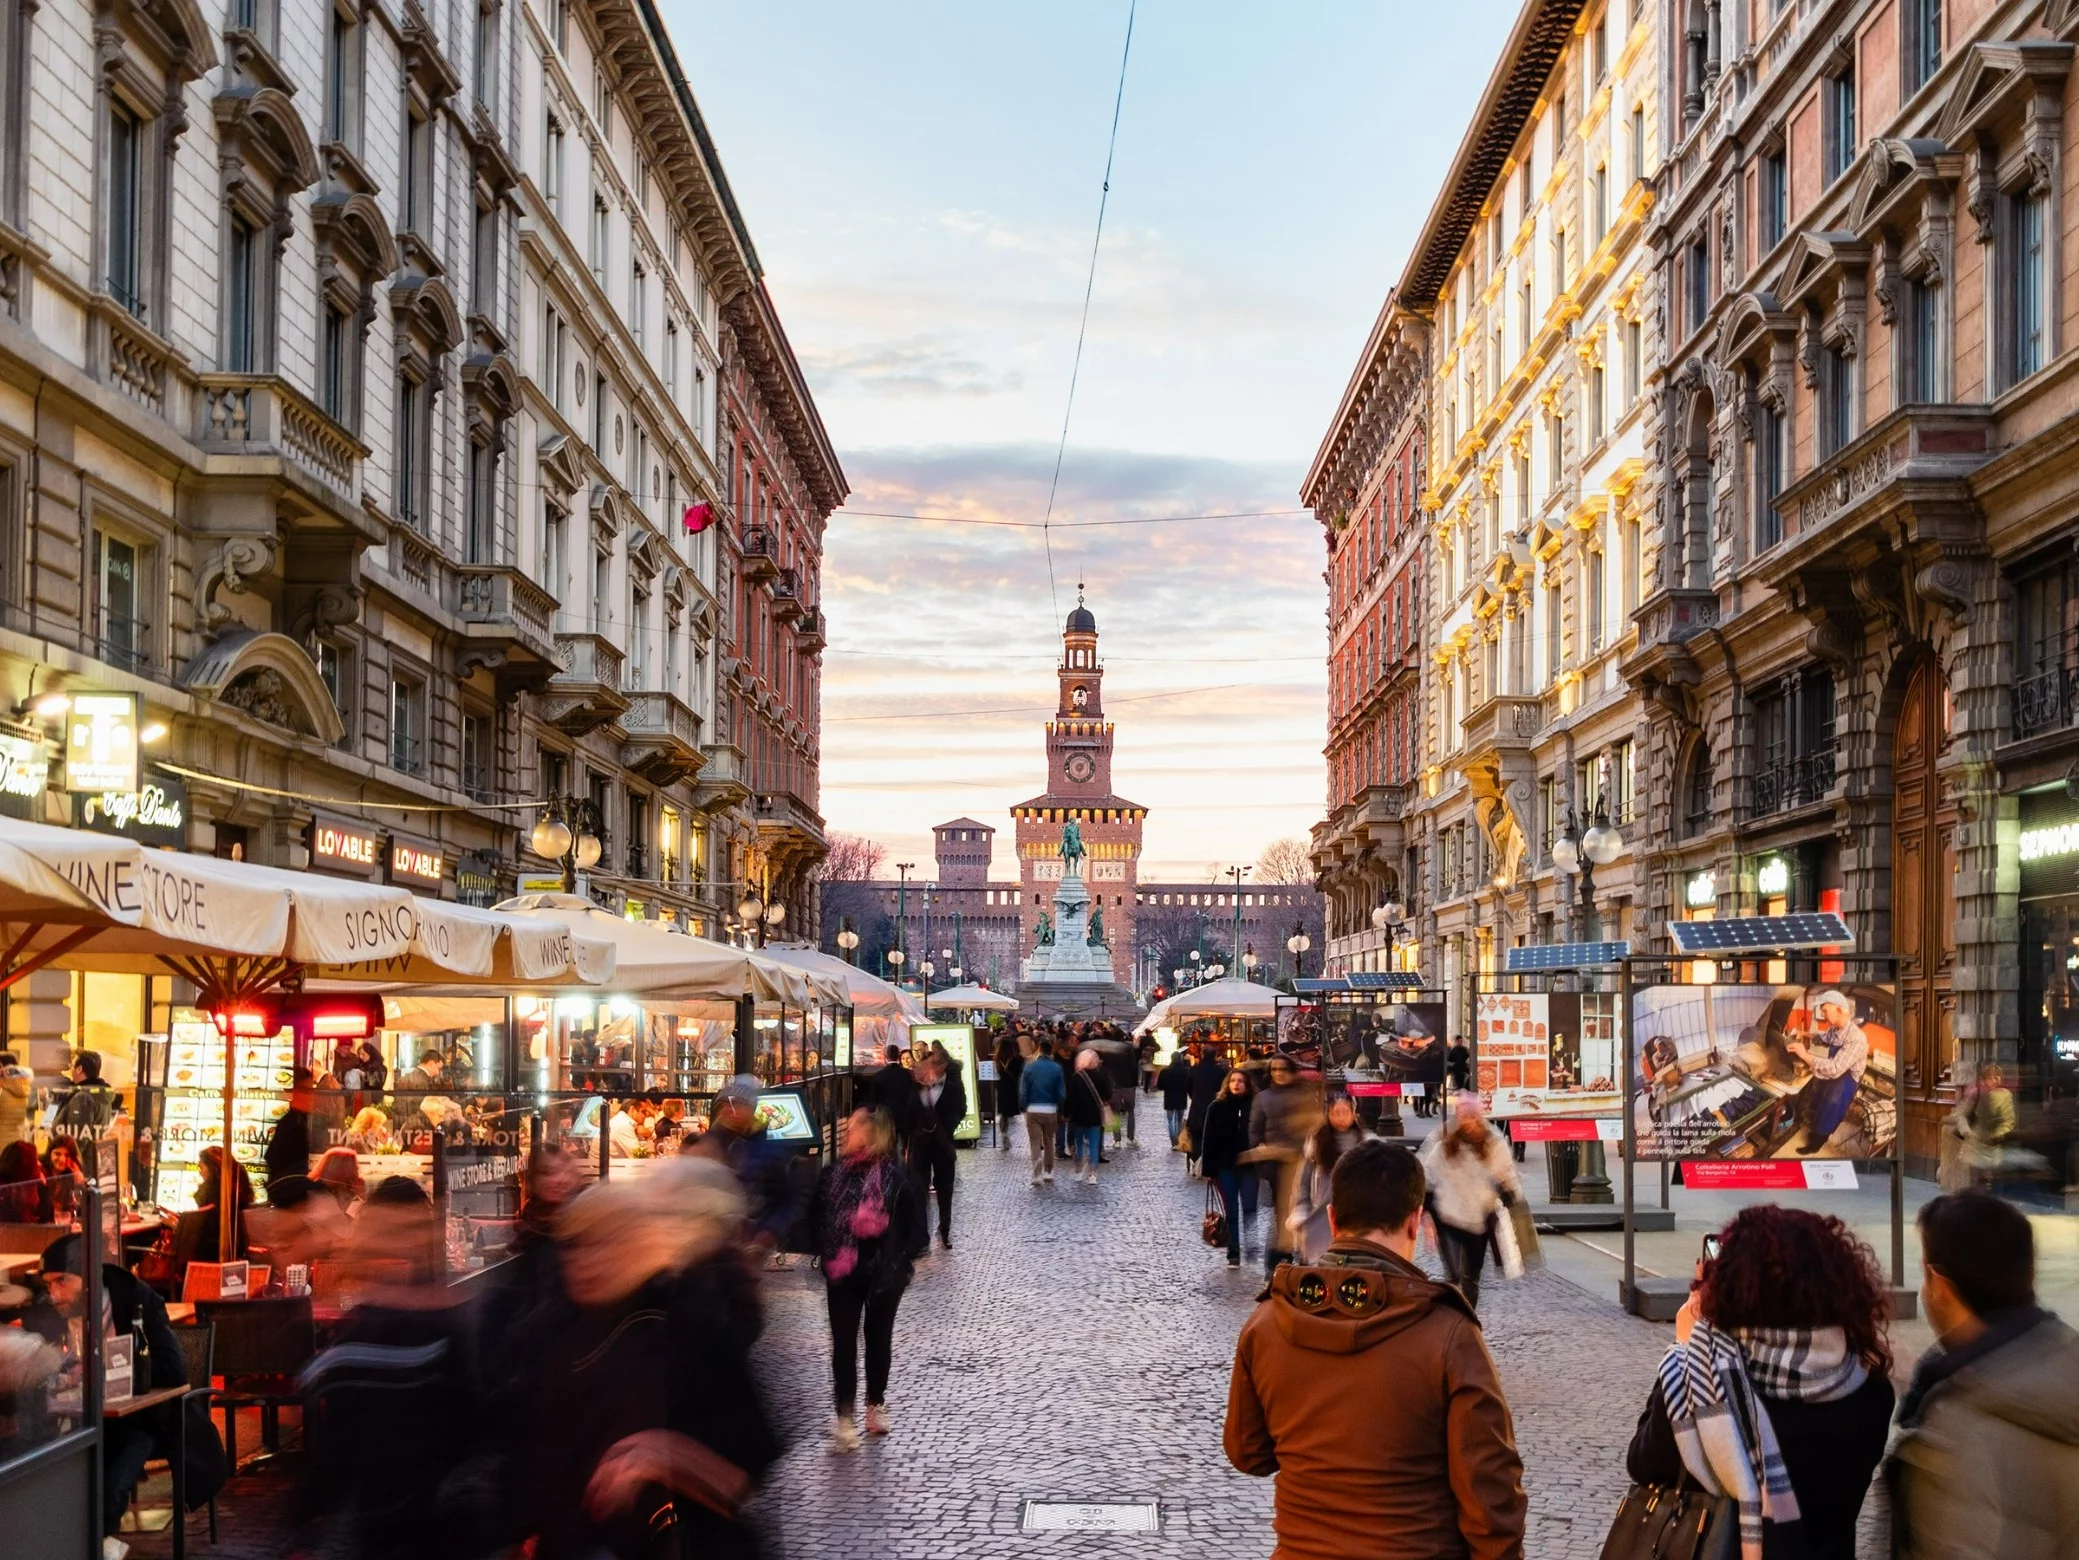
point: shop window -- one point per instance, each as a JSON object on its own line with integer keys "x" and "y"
{"x": 407, "y": 725}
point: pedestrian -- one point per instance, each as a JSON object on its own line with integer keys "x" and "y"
{"x": 870, "y": 1230}
{"x": 1976, "y": 1133}
{"x": 1281, "y": 1120}
{"x": 1041, "y": 1089}
{"x": 1089, "y": 1095}
{"x": 1339, "y": 1132}
{"x": 1010, "y": 1063}
{"x": 891, "y": 1086}
{"x": 1458, "y": 1065}
{"x": 1222, "y": 1147}
{"x": 1174, "y": 1081}
{"x": 89, "y": 1105}
{"x": 1777, "y": 1391}
{"x": 1122, "y": 1072}
{"x": 1365, "y": 1386}
{"x": 288, "y": 1146}
{"x": 935, "y": 1112}
{"x": 762, "y": 1167}
{"x": 17, "y": 1092}
{"x": 1208, "y": 1078}
{"x": 1145, "y": 1049}
{"x": 1472, "y": 1177}
{"x": 1984, "y": 1460}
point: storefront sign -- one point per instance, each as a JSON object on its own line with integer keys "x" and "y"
{"x": 415, "y": 865}
{"x": 2058, "y": 839}
{"x": 1576, "y": 1129}
{"x": 344, "y": 846}
{"x": 1701, "y": 892}
{"x": 1772, "y": 877}
{"x": 101, "y": 742}
{"x": 1769, "y": 1175}
{"x": 546, "y": 885}
{"x": 476, "y": 879}
{"x": 25, "y": 773}
{"x": 155, "y": 813}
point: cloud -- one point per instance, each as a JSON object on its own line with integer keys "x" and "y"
{"x": 919, "y": 366}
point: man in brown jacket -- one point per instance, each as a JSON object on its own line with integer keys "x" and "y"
{"x": 1364, "y": 1385}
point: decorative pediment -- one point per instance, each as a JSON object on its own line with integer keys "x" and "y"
{"x": 425, "y": 305}
{"x": 1896, "y": 176}
{"x": 646, "y": 555}
{"x": 261, "y": 128}
{"x": 270, "y": 678}
{"x": 176, "y": 30}
{"x": 611, "y": 513}
{"x": 562, "y": 464}
{"x": 1819, "y": 266}
{"x": 353, "y": 227}
{"x": 426, "y": 69}
{"x": 2004, "y": 82}
{"x": 492, "y": 381}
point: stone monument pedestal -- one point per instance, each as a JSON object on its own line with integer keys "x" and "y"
{"x": 1071, "y": 976}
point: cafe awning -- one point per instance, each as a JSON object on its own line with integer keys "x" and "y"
{"x": 870, "y": 996}
{"x": 969, "y": 998}
{"x": 1215, "y": 999}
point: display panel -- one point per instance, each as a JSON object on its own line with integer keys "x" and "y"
{"x": 194, "y": 1106}
{"x": 1543, "y": 1054}
{"x": 1766, "y": 1072}
{"x": 959, "y": 1041}
{"x": 1392, "y": 1042}
{"x": 785, "y": 1117}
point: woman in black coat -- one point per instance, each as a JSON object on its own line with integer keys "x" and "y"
{"x": 870, "y": 1228}
{"x": 1795, "y": 1303}
{"x": 1010, "y": 1063}
{"x": 1223, "y": 1140}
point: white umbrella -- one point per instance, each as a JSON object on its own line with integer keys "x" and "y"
{"x": 1227, "y": 998}
{"x": 661, "y": 966}
{"x": 970, "y": 997}
{"x": 870, "y": 996}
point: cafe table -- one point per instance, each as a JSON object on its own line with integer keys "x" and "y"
{"x": 142, "y": 1402}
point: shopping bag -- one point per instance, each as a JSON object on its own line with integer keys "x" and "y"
{"x": 1528, "y": 1250}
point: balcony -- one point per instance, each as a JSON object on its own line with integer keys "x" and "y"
{"x": 124, "y": 642}
{"x": 1505, "y": 723}
{"x": 809, "y": 630}
{"x": 1793, "y": 782}
{"x": 761, "y": 554}
{"x": 506, "y": 614}
{"x": 585, "y": 693}
{"x": 2048, "y": 699}
{"x": 786, "y": 594}
{"x": 663, "y": 741}
{"x": 724, "y": 778}
{"x": 260, "y": 414}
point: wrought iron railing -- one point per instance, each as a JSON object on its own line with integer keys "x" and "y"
{"x": 2049, "y": 699}
{"x": 1793, "y": 782}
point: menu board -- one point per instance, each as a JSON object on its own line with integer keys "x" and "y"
{"x": 959, "y": 1041}
{"x": 194, "y": 1108}
{"x": 1540, "y": 1054}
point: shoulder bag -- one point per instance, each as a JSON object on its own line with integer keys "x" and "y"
{"x": 1212, "y": 1229}
{"x": 1680, "y": 1523}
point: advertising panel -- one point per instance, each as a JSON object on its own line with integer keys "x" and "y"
{"x": 1766, "y": 1072}
{"x": 1399, "y": 1043}
{"x": 1544, "y": 1054}
{"x": 959, "y": 1041}
{"x": 101, "y": 742}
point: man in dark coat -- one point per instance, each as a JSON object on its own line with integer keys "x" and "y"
{"x": 288, "y": 1147}
{"x": 1207, "y": 1074}
{"x": 938, "y": 1101}
{"x": 1175, "y": 1083}
{"x": 890, "y": 1087}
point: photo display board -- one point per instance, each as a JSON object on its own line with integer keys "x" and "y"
{"x": 1766, "y": 1072}
{"x": 194, "y": 1107}
{"x": 1400, "y": 1043}
{"x": 1539, "y": 1055}
{"x": 959, "y": 1041}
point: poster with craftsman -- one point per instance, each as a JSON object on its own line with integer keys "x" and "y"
{"x": 1546, "y": 1054}
{"x": 1766, "y": 1072}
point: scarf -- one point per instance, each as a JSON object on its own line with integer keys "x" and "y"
{"x": 857, "y": 1211}
{"x": 1712, "y": 1386}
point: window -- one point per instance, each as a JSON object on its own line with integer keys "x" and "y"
{"x": 407, "y": 725}
{"x": 599, "y": 416}
{"x": 1599, "y": 48}
{"x": 121, "y": 636}
{"x": 1523, "y": 483}
{"x": 412, "y": 430}
{"x": 486, "y": 61}
{"x": 1638, "y": 142}
{"x": 1598, "y": 595}
{"x": 668, "y": 837}
{"x": 415, "y": 200}
{"x": 1921, "y": 22}
{"x": 1558, "y": 261}
{"x": 1770, "y": 433}
{"x": 555, "y": 338}
{"x": 603, "y": 105}
{"x": 1601, "y": 194}
{"x": 343, "y": 81}
{"x": 671, "y": 360}
{"x": 478, "y": 756}
{"x": 1529, "y": 317}
{"x": 1837, "y": 404}
{"x": 551, "y": 773}
{"x": 1623, "y": 777}
{"x": 1546, "y": 821}
{"x": 335, "y": 670}
{"x": 2021, "y": 287}
{"x": 483, "y": 263}
{"x": 126, "y": 137}
{"x": 1840, "y": 123}
{"x": 1555, "y": 635}
{"x": 2047, "y": 624}
{"x": 1630, "y": 563}
{"x": 480, "y": 501}
{"x": 1696, "y": 799}
{"x": 556, "y": 22}
{"x": 1555, "y": 452}
{"x": 1697, "y": 272}
{"x": 638, "y": 637}
{"x": 602, "y": 590}
{"x": 1923, "y": 342}
{"x": 241, "y": 283}
{"x": 334, "y": 349}
{"x": 1634, "y": 361}
{"x": 1775, "y": 199}
{"x": 1588, "y": 787}
{"x": 1598, "y": 400}
{"x": 1794, "y": 741}
{"x": 552, "y": 167}
{"x": 602, "y": 236}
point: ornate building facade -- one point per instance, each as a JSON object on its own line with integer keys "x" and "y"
{"x": 359, "y": 368}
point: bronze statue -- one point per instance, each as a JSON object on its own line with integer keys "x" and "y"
{"x": 1046, "y": 930}
{"x": 1096, "y": 937}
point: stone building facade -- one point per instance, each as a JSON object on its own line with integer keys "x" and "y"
{"x": 358, "y": 367}
{"x": 1525, "y": 313}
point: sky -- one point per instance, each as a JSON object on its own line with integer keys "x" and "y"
{"x": 922, "y": 182}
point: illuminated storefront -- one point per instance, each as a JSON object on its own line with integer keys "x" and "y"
{"x": 2048, "y": 853}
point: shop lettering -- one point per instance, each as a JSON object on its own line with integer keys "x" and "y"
{"x": 386, "y": 928}
{"x": 1702, "y": 889}
{"x": 1773, "y": 878}
{"x": 2060, "y": 839}
{"x": 149, "y": 808}
{"x": 25, "y": 770}
{"x": 411, "y": 861}
{"x": 337, "y": 844}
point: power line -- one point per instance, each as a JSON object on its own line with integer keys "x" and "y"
{"x": 848, "y": 653}
{"x": 1072, "y": 525}
{"x": 1089, "y": 286}
{"x": 1025, "y": 709}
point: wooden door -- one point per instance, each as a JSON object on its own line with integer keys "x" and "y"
{"x": 1923, "y": 912}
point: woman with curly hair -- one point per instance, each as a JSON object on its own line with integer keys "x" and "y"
{"x": 1778, "y": 1389}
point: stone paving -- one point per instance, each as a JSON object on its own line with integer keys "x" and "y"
{"x": 1075, "y": 1345}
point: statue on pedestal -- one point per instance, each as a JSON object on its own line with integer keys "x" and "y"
{"x": 1046, "y": 930}
{"x": 1072, "y": 850}
{"x": 1096, "y": 937}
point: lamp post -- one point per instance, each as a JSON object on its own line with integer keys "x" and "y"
{"x": 1388, "y": 918}
{"x": 895, "y": 956}
{"x": 572, "y": 833}
{"x": 903, "y": 869}
{"x": 848, "y": 940}
{"x": 927, "y": 969}
{"x": 759, "y": 910}
{"x": 1577, "y": 853}
{"x": 1297, "y": 945}
{"x": 1197, "y": 966}
{"x": 1249, "y": 962}
{"x": 1237, "y": 873}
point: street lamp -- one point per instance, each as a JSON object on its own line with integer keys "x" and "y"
{"x": 570, "y": 832}
{"x": 927, "y": 969}
{"x": 1297, "y": 945}
{"x": 954, "y": 973}
{"x": 848, "y": 940}
{"x": 1249, "y": 962}
{"x": 1388, "y": 918}
{"x": 760, "y": 911}
{"x": 1578, "y": 853}
{"x": 895, "y": 957}
{"x": 1237, "y": 873}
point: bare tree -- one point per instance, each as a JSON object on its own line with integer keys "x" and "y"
{"x": 1285, "y": 861}
{"x": 848, "y": 900}
{"x": 853, "y": 858}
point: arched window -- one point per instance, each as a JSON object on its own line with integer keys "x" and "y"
{"x": 1696, "y": 796}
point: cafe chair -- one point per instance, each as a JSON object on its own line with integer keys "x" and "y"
{"x": 261, "y": 1347}
{"x": 198, "y": 1353}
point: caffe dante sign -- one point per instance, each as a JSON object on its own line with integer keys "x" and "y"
{"x": 156, "y": 812}
{"x": 341, "y": 845}
{"x": 25, "y": 767}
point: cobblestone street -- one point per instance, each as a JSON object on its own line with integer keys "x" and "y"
{"x": 1075, "y": 1344}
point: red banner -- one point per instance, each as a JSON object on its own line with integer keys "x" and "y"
{"x": 1768, "y": 1175}
{"x": 1384, "y": 1090}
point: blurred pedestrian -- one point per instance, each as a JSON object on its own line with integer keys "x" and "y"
{"x": 1984, "y": 1462}
{"x": 1010, "y": 1065}
{"x": 1208, "y": 1078}
{"x": 1777, "y": 1391}
{"x": 870, "y": 1230}
{"x": 1223, "y": 1141}
{"x": 1458, "y": 1065}
{"x": 1339, "y": 1132}
{"x": 1281, "y": 1120}
{"x": 1365, "y": 1386}
{"x": 763, "y": 1168}
{"x": 935, "y": 1113}
{"x": 1089, "y": 1096}
{"x": 889, "y": 1086}
{"x": 1975, "y": 1135}
{"x": 288, "y": 1145}
{"x": 1472, "y": 1177}
{"x": 89, "y": 1105}
{"x": 1042, "y": 1087}
{"x": 1174, "y": 1082}
{"x": 17, "y": 1094}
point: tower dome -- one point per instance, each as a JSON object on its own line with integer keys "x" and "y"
{"x": 1082, "y": 620}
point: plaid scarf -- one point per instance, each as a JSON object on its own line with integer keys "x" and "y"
{"x": 1712, "y": 1386}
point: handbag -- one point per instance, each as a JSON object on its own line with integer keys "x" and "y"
{"x": 1186, "y": 1145}
{"x": 1212, "y": 1229}
{"x": 1683, "y": 1523}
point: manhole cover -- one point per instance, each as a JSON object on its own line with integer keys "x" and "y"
{"x": 1098, "y": 1516}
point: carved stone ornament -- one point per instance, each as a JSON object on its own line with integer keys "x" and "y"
{"x": 236, "y": 564}
{"x": 262, "y": 695}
